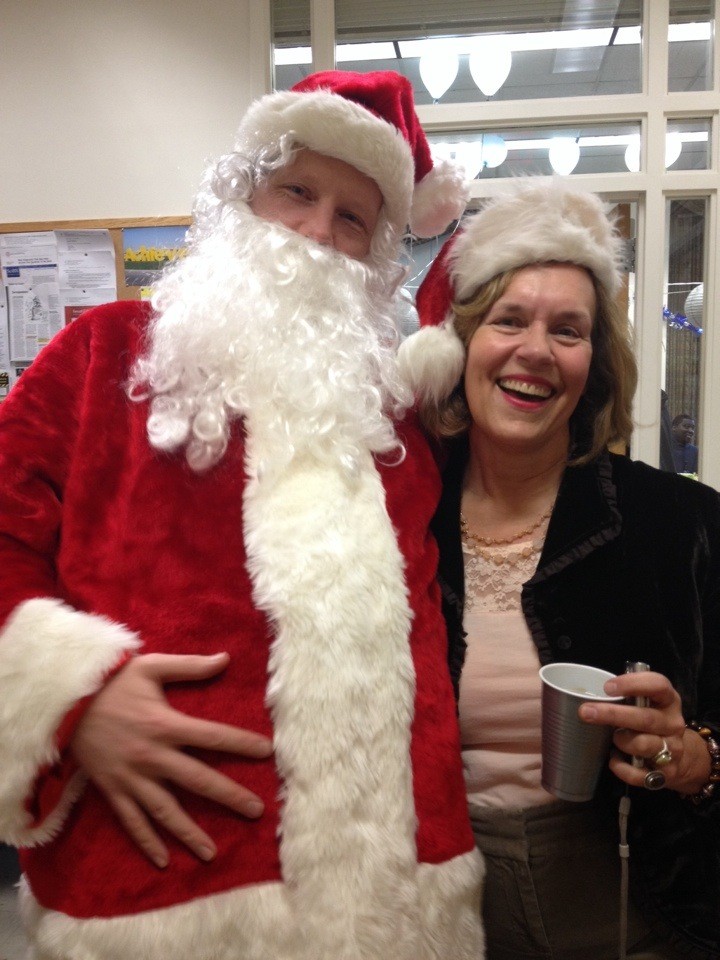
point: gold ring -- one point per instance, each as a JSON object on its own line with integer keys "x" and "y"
{"x": 663, "y": 757}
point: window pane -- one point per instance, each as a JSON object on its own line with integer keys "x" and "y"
{"x": 460, "y": 51}
{"x": 600, "y": 148}
{"x": 682, "y": 332}
{"x": 688, "y": 144}
{"x": 690, "y": 51}
{"x": 291, "y": 41}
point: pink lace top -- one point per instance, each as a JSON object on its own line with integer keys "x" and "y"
{"x": 499, "y": 685}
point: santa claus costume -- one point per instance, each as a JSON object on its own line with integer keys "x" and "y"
{"x": 239, "y": 506}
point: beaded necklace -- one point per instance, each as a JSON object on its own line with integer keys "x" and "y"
{"x": 509, "y": 551}
{"x": 500, "y": 542}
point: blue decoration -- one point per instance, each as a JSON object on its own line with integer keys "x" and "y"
{"x": 679, "y": 321}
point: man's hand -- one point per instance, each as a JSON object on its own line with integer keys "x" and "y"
{"x": 130, "y": 742}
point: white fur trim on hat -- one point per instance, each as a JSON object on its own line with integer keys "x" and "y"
{"x": 431, "y": 361}
{"x": 51, "y": 656}
{"x": 336, "y": 127}
{"x": 537, "y": 220}
{"x": 440, "y": 198}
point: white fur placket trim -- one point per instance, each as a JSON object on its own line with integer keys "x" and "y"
{"x": 51, "y": 656}
{"x": 257, "y": 923}
{"x": 327, "y": 570}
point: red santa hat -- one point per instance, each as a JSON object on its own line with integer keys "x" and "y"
{"x": 534, "y": 220}
{"x": 368, "y": 120}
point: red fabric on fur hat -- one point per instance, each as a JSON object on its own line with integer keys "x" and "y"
{"x": 386, "y": 94}
{"x": 435, "y": 293}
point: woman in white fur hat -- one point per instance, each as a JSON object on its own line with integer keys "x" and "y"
{"x": 552, "y": 550}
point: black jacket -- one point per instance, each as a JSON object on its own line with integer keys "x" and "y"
{"x": 630, "y": 570}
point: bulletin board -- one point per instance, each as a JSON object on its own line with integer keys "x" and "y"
{"x": 115, "y": 228}
{"x": 52, "y": 271}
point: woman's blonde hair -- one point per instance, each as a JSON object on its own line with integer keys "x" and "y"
{"x": 603, "y": 414}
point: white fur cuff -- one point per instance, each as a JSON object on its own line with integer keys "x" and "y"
{"x": 51, "y": 656}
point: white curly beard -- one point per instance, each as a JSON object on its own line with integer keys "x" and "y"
{"x": 256, "y": 318}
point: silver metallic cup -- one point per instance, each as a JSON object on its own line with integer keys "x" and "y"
{"x": 573, "y": 752}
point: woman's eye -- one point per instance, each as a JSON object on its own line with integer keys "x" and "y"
{"x": 505, "y": 321}
{"x": 568, "y": 333}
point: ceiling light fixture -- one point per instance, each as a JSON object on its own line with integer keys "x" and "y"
{"x": 542, "y": 40}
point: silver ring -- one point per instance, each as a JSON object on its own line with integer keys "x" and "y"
{"x": 663, "y": 757}
{"x": 654, "y": 780}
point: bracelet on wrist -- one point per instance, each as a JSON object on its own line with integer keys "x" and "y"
{"x": 708, "y": 789}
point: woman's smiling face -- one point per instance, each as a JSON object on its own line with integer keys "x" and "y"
{"x": 528, "y": 361}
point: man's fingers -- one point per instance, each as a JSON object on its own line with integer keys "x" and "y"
{"x": 163, "y": 809}
{"x": 154, "y": 804}
{"x": 172, "y": 668}
{"x": 207, "y": 735}
{"x": 198, "y": 778}
{"x": 138, "y": 828}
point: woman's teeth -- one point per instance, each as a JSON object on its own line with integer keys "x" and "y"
{"x": 523, "y": 389}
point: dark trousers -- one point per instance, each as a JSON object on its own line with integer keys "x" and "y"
{"x": 553, "y": 886}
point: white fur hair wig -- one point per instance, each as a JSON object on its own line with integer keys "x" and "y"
{"x": 534, "y": 220}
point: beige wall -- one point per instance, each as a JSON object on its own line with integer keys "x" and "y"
{"x": 110, "y": 108}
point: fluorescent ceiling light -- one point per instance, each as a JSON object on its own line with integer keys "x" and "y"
{"x": 677, "y": 33}
{"x": 628, "y": 35}
{"x": 292, "y": 56}
{"x": 543, "y": 40}
{"x": 345, "y": 52}
{"x": 689, "y": 31}
{"x": 620, "y": 140}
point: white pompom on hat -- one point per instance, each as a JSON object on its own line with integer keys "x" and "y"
{"x": 369, "y": 121}
{"x": 534, "y": 220}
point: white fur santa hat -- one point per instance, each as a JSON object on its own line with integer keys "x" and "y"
{"x": 535, "y": 220}
{"x": 369, "y": 121}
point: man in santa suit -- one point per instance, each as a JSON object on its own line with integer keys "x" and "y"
{"x": 227, "y": 731}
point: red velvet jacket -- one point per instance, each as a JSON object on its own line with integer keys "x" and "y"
{"x": 107, "y": 547}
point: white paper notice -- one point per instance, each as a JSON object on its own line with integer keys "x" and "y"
{"x": 86, "y": 260}
{"x": 35, "y": 318}
{"x": 50, "y": 277}
{"x": 18, "y": 250}
{"x": 30, "y": 274}
{"x": 83, "y": 270}
{"x": 5, "y": 371}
